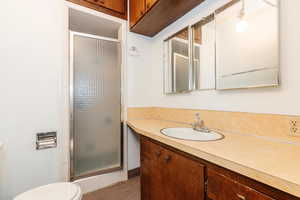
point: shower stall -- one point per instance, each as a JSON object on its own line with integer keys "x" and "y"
{"x": 95, "y": 99}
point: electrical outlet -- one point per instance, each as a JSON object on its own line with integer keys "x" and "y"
{"x": 294, "y": 128}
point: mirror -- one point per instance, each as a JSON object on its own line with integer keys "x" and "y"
{"x": 235, "y": 47}
{"x": 247, "y": 44}
{"x": 204, "y": 53}
{"x": 178, "y": 71}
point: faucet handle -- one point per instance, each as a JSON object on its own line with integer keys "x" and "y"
{"x": 197, "y": 115}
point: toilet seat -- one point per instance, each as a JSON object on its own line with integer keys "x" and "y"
{"x": 57, "y": 191}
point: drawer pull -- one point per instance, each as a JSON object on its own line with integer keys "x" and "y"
{"x": 167, "y": 158}
{"x": 241, "y": 197}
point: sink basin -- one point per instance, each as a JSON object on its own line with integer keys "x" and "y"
{"x": 191, "y": 134}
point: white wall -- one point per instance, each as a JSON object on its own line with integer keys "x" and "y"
{"x": 139, "y": 69}
{"x": 281, "y": 100}
{"x": 32, "y": 59}
{"x": 137, "y": 86}
{"x": 133, "y": 150}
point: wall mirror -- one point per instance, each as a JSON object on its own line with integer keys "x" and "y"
{"x": 235, "y": 47}
{"x": 203, "y": 45}
{"x": 247, "y": 44}
{"x": 189, "y": 58}
{"x": 178, "y": 69}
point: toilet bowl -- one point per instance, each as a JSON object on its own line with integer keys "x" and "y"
{"x": 55, "y": 191}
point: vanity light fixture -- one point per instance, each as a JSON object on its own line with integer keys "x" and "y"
{"x": 242, "y": 25}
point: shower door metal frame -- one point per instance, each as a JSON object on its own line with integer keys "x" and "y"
{"x": 72, "y": 177}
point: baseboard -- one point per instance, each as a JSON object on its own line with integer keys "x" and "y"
{"x": 133, "y": 172}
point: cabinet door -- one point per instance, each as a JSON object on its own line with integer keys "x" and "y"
{"x": 169, "y": 176}
{"x": 150, "y": 3}
{"x": 223, "y": 188}
{"x": 183, "y": 178}
{"x": 115, "y": 5}
{"x": 137, "y": 10}
{"x": 150, "y": 167}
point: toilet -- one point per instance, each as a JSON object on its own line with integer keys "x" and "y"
{"x": 55, "y": 191}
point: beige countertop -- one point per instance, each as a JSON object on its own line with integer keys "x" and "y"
{"x": 275, "y": 163}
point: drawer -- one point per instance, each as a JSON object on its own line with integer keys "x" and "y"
{"x": 220, "y": 187}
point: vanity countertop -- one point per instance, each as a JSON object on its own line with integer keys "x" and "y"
{"x": 275, "y": 163}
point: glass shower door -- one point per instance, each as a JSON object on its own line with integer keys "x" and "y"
{"x": 96, "y": 106}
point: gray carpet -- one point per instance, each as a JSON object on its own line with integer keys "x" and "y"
{"x": 129, "y": 190}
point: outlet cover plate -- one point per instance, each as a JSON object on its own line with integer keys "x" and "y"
{"x": 294, "y": 128}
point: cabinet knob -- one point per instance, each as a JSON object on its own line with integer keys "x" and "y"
{"x": 167, "y": 158}
{"x": 158, "y": 153}
{"x": 241, "y": 197}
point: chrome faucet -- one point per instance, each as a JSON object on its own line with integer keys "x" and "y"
{"x": 198, "y": 125}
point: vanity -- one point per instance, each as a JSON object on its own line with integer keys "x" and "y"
{"x": 167, "y": 173}
{"x": 180, "y": 169}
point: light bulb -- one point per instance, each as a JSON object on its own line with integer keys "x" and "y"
{"x": 241, "y": 26}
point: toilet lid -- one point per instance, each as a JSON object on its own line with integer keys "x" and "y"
{"x": 57, "y": 191}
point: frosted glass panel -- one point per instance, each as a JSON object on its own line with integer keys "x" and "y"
{"x": 97, "y": 134}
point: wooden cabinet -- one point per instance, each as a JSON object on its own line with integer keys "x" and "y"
{"x": 148, "y": 17}
{"x": 115, "y": 5}
{"x": 137, "y": 10}
{"x": 169, "y": 176}
{"x": 150, "y": 3}
{"x": 117, "y": 8}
